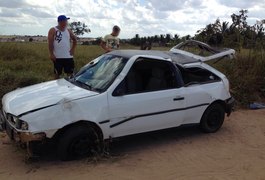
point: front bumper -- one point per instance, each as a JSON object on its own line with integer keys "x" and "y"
{"x": 17, "y": 135}
{"x": 229, "y": 105}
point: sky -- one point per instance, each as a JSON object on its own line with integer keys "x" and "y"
{"x": 183, "y": 17}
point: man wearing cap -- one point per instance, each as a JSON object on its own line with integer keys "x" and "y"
{"x": 60, "y": 49}
{"x": 111, "y": 41}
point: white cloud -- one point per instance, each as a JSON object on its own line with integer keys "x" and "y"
{"x": 134, "y": 16}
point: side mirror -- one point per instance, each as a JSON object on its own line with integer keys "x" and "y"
{"x": 120, "y": 89}
{"x": 118, "y": 92}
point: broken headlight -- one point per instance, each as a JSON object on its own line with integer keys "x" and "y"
{"x": 20, "y": 124}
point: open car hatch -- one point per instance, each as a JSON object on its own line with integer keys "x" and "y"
{"x": 201, "y": 51}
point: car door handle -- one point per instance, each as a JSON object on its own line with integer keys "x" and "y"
{"x": 178, "y": 98}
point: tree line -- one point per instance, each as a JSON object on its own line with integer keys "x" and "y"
{"x": 239, "y": 34}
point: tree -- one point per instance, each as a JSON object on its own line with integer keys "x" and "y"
{"x": 168, "y": 38}
{"x": 176, "y": 38}
{"x": 240, "y": 20}
{"x": 162, "y": 39}
{"x": 79, "y": 28}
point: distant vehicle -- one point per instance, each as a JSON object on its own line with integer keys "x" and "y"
{"x": 122, "y": 93}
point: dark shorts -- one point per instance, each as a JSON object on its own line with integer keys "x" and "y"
{"x": 67, "y": 65}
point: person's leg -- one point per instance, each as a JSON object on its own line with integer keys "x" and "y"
{"x": 69, "y": 67}
{"x": 58, "y": 68}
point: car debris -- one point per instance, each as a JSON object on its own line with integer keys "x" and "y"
{"x": 256, "y": 105}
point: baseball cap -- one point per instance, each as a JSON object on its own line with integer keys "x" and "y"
{"x": 62, "y": 18}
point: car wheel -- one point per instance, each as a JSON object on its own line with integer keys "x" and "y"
{"x": 76, "y": 142}
{"x": 213, "y": 118}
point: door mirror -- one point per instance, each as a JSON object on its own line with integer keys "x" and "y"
{"x": 120, "y": 90}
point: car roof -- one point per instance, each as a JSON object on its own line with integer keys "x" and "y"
{"x": 175, "y": 57}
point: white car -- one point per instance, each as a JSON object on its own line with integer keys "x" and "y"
{"x": 121, "y": 93}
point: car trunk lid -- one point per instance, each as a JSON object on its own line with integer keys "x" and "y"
{"x": 201, "y": 51}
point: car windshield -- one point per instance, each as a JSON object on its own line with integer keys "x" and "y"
{"x": 99, "y": 74}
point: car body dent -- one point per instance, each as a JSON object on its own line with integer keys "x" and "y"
{"x": 53, "y": 118}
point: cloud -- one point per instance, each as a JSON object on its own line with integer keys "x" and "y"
{"x": 13, "y": 3}
{"x": 7, "y": 13}
{"x": 134, "y": 16}
{"x": 242, "y": 4}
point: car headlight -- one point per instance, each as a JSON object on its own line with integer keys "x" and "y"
{"x": 24, "y": 125}
{"x": 20, "y": 124}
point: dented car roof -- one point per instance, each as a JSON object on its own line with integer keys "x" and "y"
{"x": 178, "y": 54}
{"x": 175, "y": 57}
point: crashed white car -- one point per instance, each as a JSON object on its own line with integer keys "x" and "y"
{"x": 121, "y": 93}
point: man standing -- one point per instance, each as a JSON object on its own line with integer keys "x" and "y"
{"x": 60, "y": 49}
{"x": 111, "y": 41}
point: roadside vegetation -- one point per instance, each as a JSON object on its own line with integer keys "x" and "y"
{"x": 23, "y": 64}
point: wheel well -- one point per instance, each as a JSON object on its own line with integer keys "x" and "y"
{"x": 221, "y": 102}
{"x": 79, "y": 123}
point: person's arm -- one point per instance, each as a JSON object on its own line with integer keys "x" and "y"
{"x": 74, "y": 39}
{"x": 51, "y": 34}
{"x": 103, "y": 44}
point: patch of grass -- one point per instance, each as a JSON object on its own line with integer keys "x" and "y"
{"x": 246, "y": 74}
{"x": 23, "y": 64}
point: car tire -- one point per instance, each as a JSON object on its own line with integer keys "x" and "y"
{"x": 77, "y": 142}
{"x": 213, "y": 118}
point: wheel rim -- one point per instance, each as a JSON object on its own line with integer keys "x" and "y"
{"x": 214, "y": 119}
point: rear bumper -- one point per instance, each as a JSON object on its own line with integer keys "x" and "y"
{"x": 229, "y": 105}
{"x": 17, "y": 135}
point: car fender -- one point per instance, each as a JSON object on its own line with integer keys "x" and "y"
{"x": 51, "y": 119}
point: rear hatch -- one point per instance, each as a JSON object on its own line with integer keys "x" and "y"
{"x": 201, "y": 51}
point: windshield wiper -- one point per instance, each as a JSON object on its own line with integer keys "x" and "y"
{"x": 83, "y": 85}
{"x": 86, "y": 86}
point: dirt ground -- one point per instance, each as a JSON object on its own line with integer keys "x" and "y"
{"x": 237, "y": 151}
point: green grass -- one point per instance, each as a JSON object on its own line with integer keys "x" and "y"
{"x": 23, "y": 64}
{"x": 246, "y": 74}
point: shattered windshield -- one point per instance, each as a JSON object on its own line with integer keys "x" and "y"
{"x": 99, "y": 74}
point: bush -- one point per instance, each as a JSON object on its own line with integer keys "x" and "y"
{"x": 246, "y": 74}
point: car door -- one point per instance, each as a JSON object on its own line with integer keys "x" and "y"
{"x": 146, "y": 109}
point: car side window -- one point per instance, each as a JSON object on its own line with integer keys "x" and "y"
{"x": 147, "y": 75}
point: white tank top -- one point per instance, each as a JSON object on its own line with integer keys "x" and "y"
{"x": 62, "y": 44}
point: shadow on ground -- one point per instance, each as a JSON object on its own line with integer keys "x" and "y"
{"x": 126, "y": 145}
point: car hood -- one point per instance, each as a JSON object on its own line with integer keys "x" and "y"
{"x": 42, "y": 95}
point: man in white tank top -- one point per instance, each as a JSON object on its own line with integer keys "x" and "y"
{"x": 60, "y": 49}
